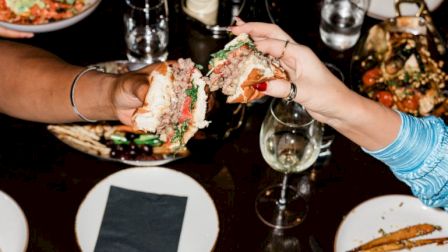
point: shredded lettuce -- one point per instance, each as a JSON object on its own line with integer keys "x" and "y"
{"x": 179, "y": 132}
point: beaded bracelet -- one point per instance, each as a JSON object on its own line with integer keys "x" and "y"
{"x": 73, "y": 87}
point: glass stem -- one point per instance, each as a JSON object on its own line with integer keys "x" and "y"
{"x": 282, "y": 200}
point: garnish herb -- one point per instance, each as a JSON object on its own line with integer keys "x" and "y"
{"x": 407, "y": 77}
{"x": 193, "y": 94}
{"x": 222, "y": 54}
{"x": 391, "y": 83}
{"x": 179, "y": 132}
{"x": 199, "y": 66}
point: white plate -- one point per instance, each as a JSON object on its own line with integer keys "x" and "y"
{"x": 13, "y": 226}
{"x": 383, "y": 9}
{"x": 90, "y": 6}
{"x": 200, "y": 227}
{"x": 389, "y": 213}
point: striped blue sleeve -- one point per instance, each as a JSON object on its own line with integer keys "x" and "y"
{"x": 419, "y": 158}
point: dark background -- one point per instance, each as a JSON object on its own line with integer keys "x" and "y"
{"x": 49, "y": 179}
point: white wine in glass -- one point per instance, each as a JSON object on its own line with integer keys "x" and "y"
{"x": 290, "y": 143}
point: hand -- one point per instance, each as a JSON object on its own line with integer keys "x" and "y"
{"x": 317, "y": 89}
{"x": 7, "y": 33}
{"x": 130, "y": 91}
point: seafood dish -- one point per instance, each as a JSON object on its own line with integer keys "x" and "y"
{"x": 401, "y": 69}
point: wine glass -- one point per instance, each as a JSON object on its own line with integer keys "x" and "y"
{"x": 290, "y": 142}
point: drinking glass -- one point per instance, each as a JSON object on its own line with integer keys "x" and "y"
{"x": 146, "y": 23}
{"x": 290, "y": 142}
{"x": 328, "y": 132}
{"x": 341, "y": 21}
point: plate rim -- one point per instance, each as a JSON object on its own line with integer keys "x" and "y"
{"x": 376, "y": 198}
{"x": 55, "y": 25}
{"x": 140, "y": 168}
{"x": 22, "y": 215}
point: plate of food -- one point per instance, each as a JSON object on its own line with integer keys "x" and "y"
{"x": 44, "y": 15}
{"x": 384, "y": 9}
{"x": 14, "y": 226}
{"x": 116, "y": 143}
{"x": 393, "y": 222}
{"x": 402, "y": 63}
{"x": 200, "y": 226}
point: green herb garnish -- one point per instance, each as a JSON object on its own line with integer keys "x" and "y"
{"x": 391, "y": 83}
{"x": 222, "y": 54}
{"x": 179, "y": 132}
{"x": 193, "y": 94}
{"x": 199, "y": 66}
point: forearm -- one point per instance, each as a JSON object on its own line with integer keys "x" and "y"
{"x": 419, "y": 157}
{"x": 365, "y": 122}
{"x": 35, "y": 85}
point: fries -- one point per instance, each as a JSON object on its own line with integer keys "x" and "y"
{"x": 400, "y": 239}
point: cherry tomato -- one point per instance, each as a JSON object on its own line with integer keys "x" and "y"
{"x": 409, "y": 104}
{"x": 371, "y": 76}
{"x": 385, "y": 98}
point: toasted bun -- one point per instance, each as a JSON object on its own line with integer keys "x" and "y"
{"x": 200, "y": 109}
{"x": 251, "y": 66}
{"x": 158, "y": 104}
{"x": 257, "y": 68}
{"x": 158, "y": 99}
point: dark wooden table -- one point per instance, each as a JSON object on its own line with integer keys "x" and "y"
{"x": 49, "y": 179}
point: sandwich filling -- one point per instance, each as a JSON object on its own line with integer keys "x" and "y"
{"x": 233, "y": 65}
{"x": 183, "y": 101}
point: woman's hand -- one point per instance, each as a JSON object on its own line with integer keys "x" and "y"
{"x": 7, "y": 33}
{"x": 325, "y": 97}
{"x": 304, "y": 68}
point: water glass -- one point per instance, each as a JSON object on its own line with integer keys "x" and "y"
{"x": 341, "y": 21}
{"x": 146, "y": 23}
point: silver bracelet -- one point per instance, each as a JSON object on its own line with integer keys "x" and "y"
{"x": 73, "y": 87}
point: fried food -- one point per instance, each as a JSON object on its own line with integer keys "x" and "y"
{"x": 400, "y": 239}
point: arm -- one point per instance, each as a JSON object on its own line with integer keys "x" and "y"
{"x": 35, "y": 85}
{"x": 415, "y": 149}
{"x": 365, "y": 122}
{"x": 7, "y": 33}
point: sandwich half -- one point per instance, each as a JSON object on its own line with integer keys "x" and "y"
{"x": 175, "y": 104}
{"x": 237, "y": 67}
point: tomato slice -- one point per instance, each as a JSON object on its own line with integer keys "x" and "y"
{"x": 371, "y": 76}
{"x": 186, "y": 110}
{"x": 385, "y": 98}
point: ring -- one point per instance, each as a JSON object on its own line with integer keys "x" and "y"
{"x": 284, "y": 49}
{"x": 292, "y": 93}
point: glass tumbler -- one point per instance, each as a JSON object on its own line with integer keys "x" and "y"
{"x": 146, "y": 35}
{"x": 341, "y": 21}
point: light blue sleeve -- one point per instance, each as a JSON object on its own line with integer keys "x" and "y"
{"x": 419, "y": 158}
